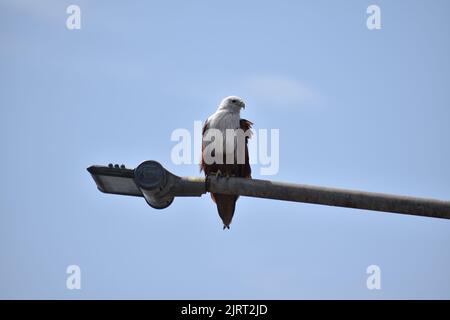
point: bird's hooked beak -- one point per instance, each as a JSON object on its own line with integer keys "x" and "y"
{"x": 243, "y": 105}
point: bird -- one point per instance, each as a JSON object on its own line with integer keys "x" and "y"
{"x": 229, "y": 159}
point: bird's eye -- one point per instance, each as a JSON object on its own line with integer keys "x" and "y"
{"x": 234, "y": 100}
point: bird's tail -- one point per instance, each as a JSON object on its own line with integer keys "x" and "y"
{"x": 225, "y": 205}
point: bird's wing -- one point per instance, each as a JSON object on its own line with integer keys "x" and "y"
{"x": 245, "y": 169}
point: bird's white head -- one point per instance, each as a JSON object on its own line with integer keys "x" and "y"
{"x": 232, "y": 104}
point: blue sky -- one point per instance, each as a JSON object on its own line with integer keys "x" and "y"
{"x": 356, "y": 109}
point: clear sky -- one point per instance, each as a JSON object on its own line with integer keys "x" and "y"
{"x": 356, "y": 109}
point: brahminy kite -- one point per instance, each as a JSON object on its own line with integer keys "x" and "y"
{"x": 224, "y": 151}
